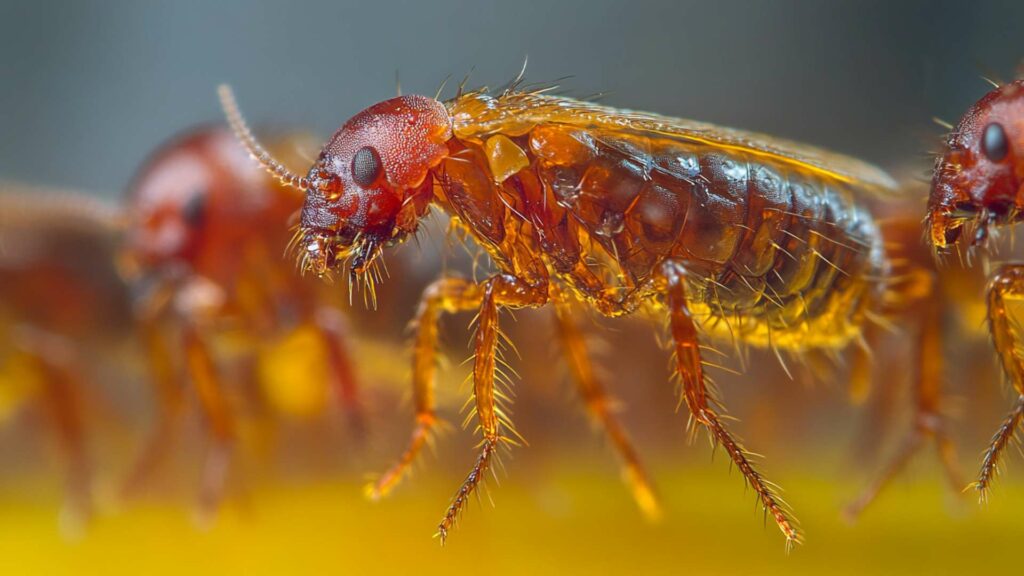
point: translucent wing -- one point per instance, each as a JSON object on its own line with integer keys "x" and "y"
{"x": 517, "y": 113}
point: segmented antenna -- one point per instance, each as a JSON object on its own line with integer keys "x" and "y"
{"x": 244, "y": 135}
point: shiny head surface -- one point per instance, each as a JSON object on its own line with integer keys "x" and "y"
{"x": 370, "y": 184}
{"x": 979, "y": 178}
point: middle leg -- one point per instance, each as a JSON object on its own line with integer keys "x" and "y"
{"x": 600, "y": 405}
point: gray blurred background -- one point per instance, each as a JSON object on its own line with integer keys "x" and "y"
{"x": 87, "y": 89}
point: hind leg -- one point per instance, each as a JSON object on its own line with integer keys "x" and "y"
{"x": 701, "y": 403}
{"x": 1006, "y": 287}
{"x": 601, "y": 408}
{"x": 929, "y": 422}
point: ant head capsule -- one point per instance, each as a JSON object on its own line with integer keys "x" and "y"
{"x": 198, "y": 197}
{"x": 979, "y": 179}
{"x": 169, "y": 200}
{"x": 370, "y": 185}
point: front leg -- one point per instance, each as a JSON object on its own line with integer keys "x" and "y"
{"x": 171, "y": 401}
{"x": 492, "y": 418}
{"x": 1006, "y": 286}
{"x": 929, "y": 422}
{"x": 202, "y": 371}
{"x": 449, "y": 295}
{"x": 445, "y": 295}
{"x": 334, "y": 333}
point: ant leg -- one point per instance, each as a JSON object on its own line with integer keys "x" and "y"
{"x": 333, "y": 331}
{"x": 1007, "y": 285}
{"x": 878, "y": 401}
{"x": 1002, "y": 437}
{"x": 492, "y": 417}
{"x": 59, "y": 370}
{"x": 928, "y": 419}
{"x": 488, "y": 413}
{"x": 601, "y": 408}
{"x": 701, "y": 402}
{"x": 861, "y": 363}
{"x": 456, "y": 295}
{"x": 209, "y": 389}
{"x": 444, "y": 295}
{"x": 170, "y": 404}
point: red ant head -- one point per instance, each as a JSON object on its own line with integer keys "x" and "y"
{"x": 979, "y": 179}
{"x": 371, "y": 183}
{"x": 169, "y": 199}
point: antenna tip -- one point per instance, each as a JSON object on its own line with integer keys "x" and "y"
{"x": 226, "y": 95}
{"x": 238, "y": 125}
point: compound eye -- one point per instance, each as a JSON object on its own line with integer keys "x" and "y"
{"x": 194, "y": 210}
{"x": 994, "y": 143}
{"x": 366, "y": 166}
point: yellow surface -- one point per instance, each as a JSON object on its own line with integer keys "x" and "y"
{"x": 17, "y": 382}
{"x": 566, "y": 522}
{"x": 292, "y": 373}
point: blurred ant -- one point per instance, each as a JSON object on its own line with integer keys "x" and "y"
{"x": 62, "y": 305}
{"x": 203, "y": 252}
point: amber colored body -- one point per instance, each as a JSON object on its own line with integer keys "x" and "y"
{"x": 778, "y": 255}
{"x": 204, "y": 250}
{"x": 626, "y": 215}
{"x": 62, "y": 306}
{"x": 723, "y": 233}
{"x": 977, "y": 187}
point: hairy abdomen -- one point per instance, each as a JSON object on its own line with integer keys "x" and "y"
{"x": 778, "y": 255}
